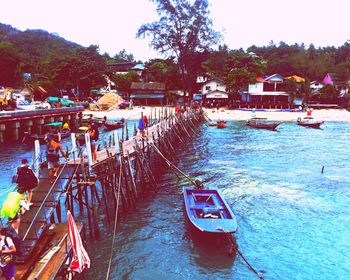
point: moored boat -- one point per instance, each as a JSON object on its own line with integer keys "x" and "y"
{"x": 221, "y": 124}
{"x": 80, "y": 135}
{"x": 114, "y": 125}
{"x": 58, "y": 126}
{"x": 262, "y": 123}
{"x": 54, "y": 129}
{"x": 309, "y": 122}
{"x": 208, "y": 212}
{"x": 30, "y": 138}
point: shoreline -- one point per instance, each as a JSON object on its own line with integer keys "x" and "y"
{"x": 332, "y": 115}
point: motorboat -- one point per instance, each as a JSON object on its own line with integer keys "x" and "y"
{"x": 309, "y": 122}
{"x": 208, "y": 212}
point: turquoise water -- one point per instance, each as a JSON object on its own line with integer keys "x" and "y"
{"x": 293, "y": 220}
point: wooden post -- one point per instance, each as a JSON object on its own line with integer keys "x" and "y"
{"x": 74, "y": 147}
{"x": 104, "y": 197}
{"x": 126, "y": 131}
{"x": 88, "y": 210}
{"x": 58, "y": 211}
{"x": 132, "y": 175}
{"x": 37, "y": 157}
{"x": 80, "y": 197}
{"x": 88, "y": 149}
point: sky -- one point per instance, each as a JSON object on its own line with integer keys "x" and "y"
{"x": 112, "y": 24}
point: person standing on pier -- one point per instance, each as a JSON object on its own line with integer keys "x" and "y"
{"x": 27, "y": 180}
{"x": 53, "y": 158}
{"x": 93, "y": 133}
{"x": 7, "y": 249}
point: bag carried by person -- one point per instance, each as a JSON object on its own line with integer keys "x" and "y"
{"x": 6, "y": 258}
{"x": 26, "y": 178}
{"x": 11, "y": 205}
{"x": 17, "y": 241}
{"x": 52, "y": 154}
{"x": 9, "y": 231}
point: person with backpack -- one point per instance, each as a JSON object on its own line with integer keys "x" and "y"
{"x": 7, "y": 250}
{"x": 27, "y": 180}
{"x": 53, "y": 149}
{"x": 94, "y": 135}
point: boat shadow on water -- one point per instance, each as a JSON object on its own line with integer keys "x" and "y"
{"x": 211, "y": 251}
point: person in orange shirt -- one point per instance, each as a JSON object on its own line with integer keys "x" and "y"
{"x": 52, "y": 156}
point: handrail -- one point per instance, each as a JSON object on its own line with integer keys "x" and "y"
{"x": 44, "y": 201}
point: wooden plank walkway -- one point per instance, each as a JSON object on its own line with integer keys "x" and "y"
{"x": 39, "y": 266}
{"x": 128, "y": 146}
{"x": 34, "y": 221}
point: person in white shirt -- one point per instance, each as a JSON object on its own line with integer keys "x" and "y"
{"x": 7, "y": 248}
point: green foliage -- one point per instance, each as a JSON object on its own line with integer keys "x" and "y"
{"x": 9, "y": 65}
{"x": 123, "y": 56}
{"x": 328, "y": 94}
{"x": 163, "y": 71}
{"x": 124, "y": 81}
{"x": 83, "y": 70}
{"x": 242, "y": 69}
{"x": 183, "y": 29}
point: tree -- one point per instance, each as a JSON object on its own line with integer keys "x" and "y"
{"x": 328, "y": 94}
{"x": 182, "y": 30}
{"x": 123, "y": 56}
{"x": 10, "y": 74}
{"x": 123, "y": 81}
{"x": 242, "y": 69}
{"x": 82, "y": 70}
{"x": 291, "y": 88}
{"x": 163, "y": 71}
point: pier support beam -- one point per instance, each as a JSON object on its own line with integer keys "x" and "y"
{"x": 49, "y": 119}
{"x": 38, "y": 123}
{"x": 14, "y": 130}
{"x": 2, "y": 132}
{"x": 27, "y": 125}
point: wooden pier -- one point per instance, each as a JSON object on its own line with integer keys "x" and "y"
{"x": 125, "y": 169}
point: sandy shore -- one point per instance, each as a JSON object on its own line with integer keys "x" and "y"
{"x": 223, "y": 114}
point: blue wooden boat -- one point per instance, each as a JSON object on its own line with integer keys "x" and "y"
{"x": 208, "y": 212}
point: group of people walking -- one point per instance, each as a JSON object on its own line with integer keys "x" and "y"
{"x": 15, "y": 205}
{"x": 20, "y": 200}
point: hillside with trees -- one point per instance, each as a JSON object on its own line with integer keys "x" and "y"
{"x": 59, "y": 65}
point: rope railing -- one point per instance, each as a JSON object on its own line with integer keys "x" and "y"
{"x": 44, "y": 201}
{"x": 115, "y": 220}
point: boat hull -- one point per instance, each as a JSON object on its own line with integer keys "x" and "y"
{"x": 268, "y": 126}
{"x": 311, "y": 124}
{"x": 112, "y": 126}
{"x": 208, "y": 212}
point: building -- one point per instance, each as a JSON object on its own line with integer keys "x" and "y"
{"x": 214, "y": 93}
{"x": 267, "y": 92}
{"x": 125, "y": 67}
{"x": 148, "y": 93}
{"x": 316, "y": 86}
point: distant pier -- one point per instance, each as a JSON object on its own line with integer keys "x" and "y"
{"x": 13, "y": 124}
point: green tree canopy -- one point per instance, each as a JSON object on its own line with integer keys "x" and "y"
{"x": 182, "y": 30}
{"x": 9, "y": 65}
{"x": 82, "y": 70}
{"x": 242, "y": 69}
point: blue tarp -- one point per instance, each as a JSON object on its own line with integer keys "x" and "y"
{"x": 197, "y": 97}
{"x": 145, "y": 95}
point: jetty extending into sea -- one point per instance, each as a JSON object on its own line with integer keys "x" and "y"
{"x": 125, "y": 168}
